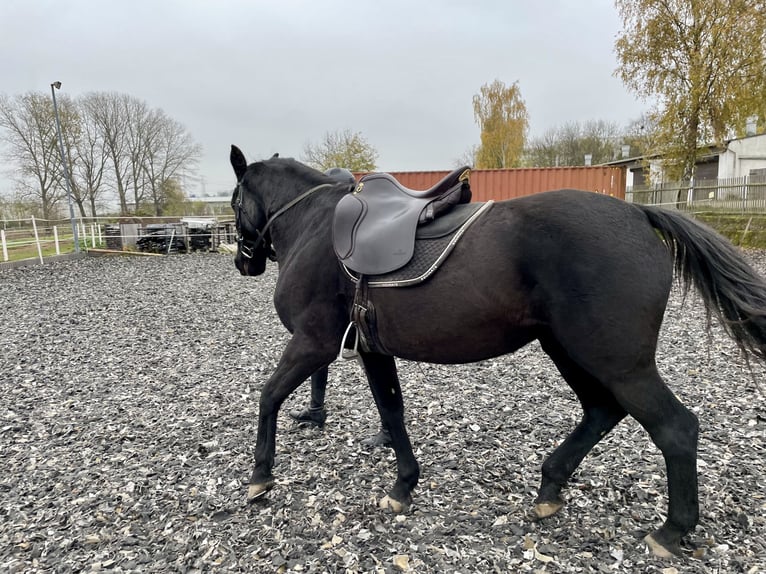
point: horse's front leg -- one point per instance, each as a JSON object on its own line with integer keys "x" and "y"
{"x": 384, "y": 383}
{"x": 299, "y": 360}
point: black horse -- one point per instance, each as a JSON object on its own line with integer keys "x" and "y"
{"x": 586, "y": 275}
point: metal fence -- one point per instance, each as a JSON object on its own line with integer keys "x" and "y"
{"x": 737, "y": 194}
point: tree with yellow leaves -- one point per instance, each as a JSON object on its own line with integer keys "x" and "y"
{"x": 703, "y": 64}
{"x": 502, "y": 116}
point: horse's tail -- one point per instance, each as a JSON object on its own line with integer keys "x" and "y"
{"x": 730, "y": 288}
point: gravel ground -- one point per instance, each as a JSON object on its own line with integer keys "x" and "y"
{"x": 127, "y": 425}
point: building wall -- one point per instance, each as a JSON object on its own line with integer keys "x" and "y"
{"x": 743, "y": 155}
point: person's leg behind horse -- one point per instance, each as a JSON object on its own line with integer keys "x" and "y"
{"x": 315, "y": 414}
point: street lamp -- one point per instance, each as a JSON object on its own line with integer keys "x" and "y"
{"x": 57, "y": 86}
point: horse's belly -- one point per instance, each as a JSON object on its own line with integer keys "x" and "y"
{"x": 431, "y": 326}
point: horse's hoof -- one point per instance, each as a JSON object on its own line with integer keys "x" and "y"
{"x": 546, "y": 509}
{"x": 658, "y": 549}
{"x": 255, "y": 491}
{"x": 388, "y": 503}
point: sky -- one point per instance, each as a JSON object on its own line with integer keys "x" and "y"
{"x": 271, "y": 76}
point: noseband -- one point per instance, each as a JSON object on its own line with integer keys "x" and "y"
{"x": 247, "y": 247}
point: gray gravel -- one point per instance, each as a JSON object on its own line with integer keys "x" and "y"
{"x": 127, "y": 425}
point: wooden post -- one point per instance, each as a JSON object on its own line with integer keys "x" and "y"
{"x": 37, "y": 240}
{"x": 56, "y": 239}
{"x": 5, "y": 246}
{"x": 170, "y": 243}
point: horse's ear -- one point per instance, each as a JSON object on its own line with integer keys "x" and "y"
{"x": 275, "y": 155}
{"x": 238, "y": 162}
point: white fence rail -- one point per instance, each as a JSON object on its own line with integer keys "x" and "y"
{"x": 37, "y": 239}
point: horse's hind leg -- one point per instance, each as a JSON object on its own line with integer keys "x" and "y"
{"x": 674, "y": 430}
{"x": 601, "y": 412}
{"x": 386, "y": 390}
{"x": 606, "y": 398}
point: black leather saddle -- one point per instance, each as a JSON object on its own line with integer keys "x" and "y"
{"x": 374, "y": 227}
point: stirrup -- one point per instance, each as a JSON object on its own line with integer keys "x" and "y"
{"x": 352, "y": 353}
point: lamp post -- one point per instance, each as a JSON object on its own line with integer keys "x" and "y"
{"x": 57, "y": 86}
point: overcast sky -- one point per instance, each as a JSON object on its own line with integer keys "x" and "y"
{"x": 272, "y": 75}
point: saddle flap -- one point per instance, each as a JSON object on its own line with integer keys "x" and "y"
{"x": 374, "y": 233}
{"x": 349, "y": 213}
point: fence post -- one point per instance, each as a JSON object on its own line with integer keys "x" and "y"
{"x": 37, "y": 240}
{"x": 170, "y": 243}
{"x": 5, "y": 247}
{"x": 92, "y": 236}
{"x": 56, "y": 239}
{"x": 84, "y": 235}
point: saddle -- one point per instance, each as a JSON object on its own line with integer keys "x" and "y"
{"x": 374, "y": 227}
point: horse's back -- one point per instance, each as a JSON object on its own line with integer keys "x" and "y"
{"x": 601, "y": 267}
{"x": 568, "y": 264}
{"x": 585, "y": 220}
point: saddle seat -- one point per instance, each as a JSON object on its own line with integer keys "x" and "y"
{"x": 441, "y": 188}
{"x": 374, "y": 227}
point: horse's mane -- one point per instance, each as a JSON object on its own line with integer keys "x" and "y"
{"x": 293, "y": 168}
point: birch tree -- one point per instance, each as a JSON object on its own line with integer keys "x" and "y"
{"x": 503, "y": 120}
{"x": 701, "y": 62}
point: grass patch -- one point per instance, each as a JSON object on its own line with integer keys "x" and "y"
{"x": 742, "y": 229}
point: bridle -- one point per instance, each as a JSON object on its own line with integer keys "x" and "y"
{"x": 247, "y": 247}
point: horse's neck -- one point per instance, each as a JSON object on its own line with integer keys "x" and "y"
{"x": 310, "y": 217}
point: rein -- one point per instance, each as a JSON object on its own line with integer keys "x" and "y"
{"x": 246, "y": 247}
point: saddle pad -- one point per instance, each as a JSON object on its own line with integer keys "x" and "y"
{"x": 431, "y": 248}
{"x": 447, "y": 223}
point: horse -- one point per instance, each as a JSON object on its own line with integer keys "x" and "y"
{"x": 585, "y": 274}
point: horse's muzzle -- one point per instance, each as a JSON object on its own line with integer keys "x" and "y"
{"x": 251, "y": 267}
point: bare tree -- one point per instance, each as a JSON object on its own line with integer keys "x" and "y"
{"x": 111, "y": 141}
{"x": 145, "y": 148}
{"x": 468, "y": 157}
{"x": 170, "y": 153}
{"x": 88, "y": 164}
{"x": 142, "y": 126}
{"x": 105, "y": 111}
{"x": 570, "y": 143}
{"x": 28, "y": 128}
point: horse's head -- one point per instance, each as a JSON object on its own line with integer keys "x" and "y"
{"x": 253, "y": 239}
{"x": 265, "y": 191}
